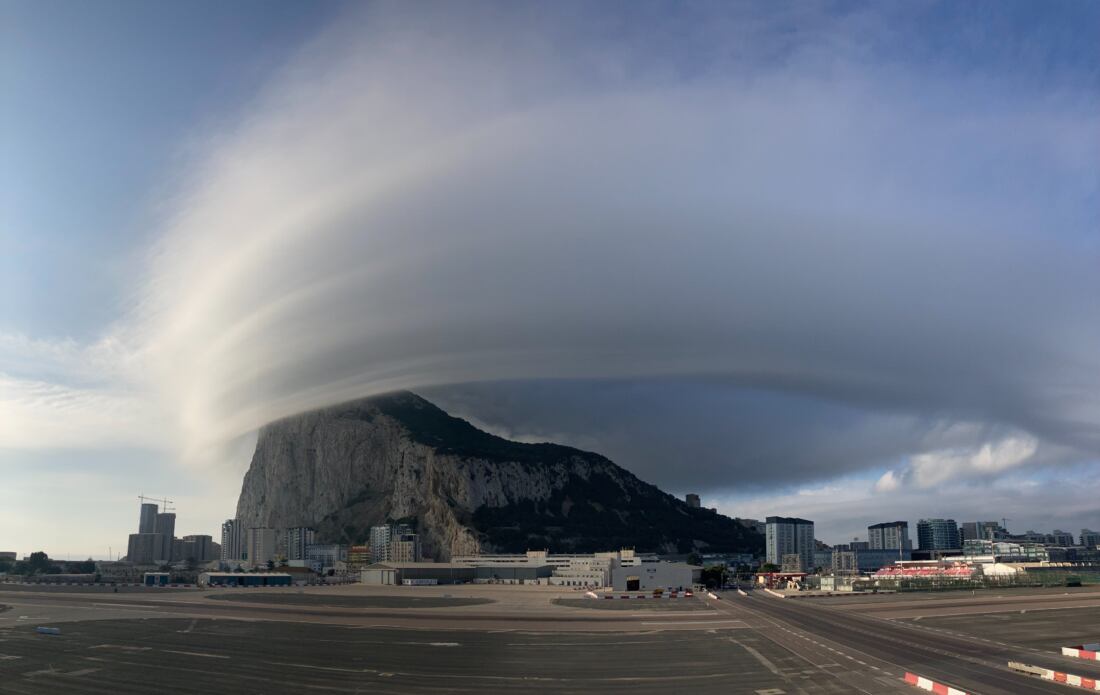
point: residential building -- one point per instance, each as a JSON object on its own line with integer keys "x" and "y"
{"x": 198, "y": 548}
{"x": 260, "y": 546}
{"x": 786, "y": 535}
{"x": 233, "y": 540}
{"x": 380, "y": 543}
{"x": 890, "y": 535}
{"x": 358, "y": 557}
{"x": 981, "y": 530}
{"x": 938, "y": 534}
{"x": 297, "y": 540}
{"x": 1090, "y": 539}
{"x": 693, "y": 500}
{"x": 148, "y": 521}
{"x": 1060, "y": 538}
{"x": 404, "y": 547}
{"x": 145, "y": 548}
{"x": 166, "y": 528}
{"x": 322, "y": 557}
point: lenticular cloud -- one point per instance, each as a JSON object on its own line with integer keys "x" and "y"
{"x": 434, "y": 200}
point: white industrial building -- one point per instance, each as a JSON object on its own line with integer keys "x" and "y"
{"x": 592, "y": 570}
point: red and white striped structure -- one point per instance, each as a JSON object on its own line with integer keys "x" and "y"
{"x": 1057, "y": 676}
{"x": 1083, "y": 651}
{"x": 932, "y": 686}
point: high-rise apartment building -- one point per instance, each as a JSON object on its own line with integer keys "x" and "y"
{"x": 233, "y": 538}
{"x": 297, "y": 539}
{"x": 380, "y": 543}
{"x": 260, "y": 546}
{"x": 890, "y": 535}
{"x": 166, "y": 529}
{"x": 938, "y": 534}
{"x": 148, "y": 521}
{"x": 790, "y": 536}
{"x": 980, "y": 530}
{"x": 1090, "y": 539}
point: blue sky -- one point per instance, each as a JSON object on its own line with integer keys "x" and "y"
{"x": 867, "y": 232}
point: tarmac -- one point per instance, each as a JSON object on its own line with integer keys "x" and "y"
{"x": 471, "y": 638}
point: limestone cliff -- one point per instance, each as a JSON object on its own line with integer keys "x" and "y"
{"x": 345, "y": 468}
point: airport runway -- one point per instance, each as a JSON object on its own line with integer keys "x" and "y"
{"x": 973, "y": 663}
{"x": 474, "y": 638}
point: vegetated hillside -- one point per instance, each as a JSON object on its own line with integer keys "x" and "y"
{"x": 345, "y": 468}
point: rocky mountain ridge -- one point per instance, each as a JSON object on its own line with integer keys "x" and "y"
{"x": 345, "y": 468}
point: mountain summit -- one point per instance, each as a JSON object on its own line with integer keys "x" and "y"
{"x": 345, "y": 468}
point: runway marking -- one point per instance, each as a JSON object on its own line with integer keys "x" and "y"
{"x": 697, "y": 622}
{"x": 127, "y": 605}
{"x": 124, "y": 647}
{"x": 202, "y": 654}
{"x": 189, "y": 627}
{"x": 433, "y": 644}
{"x": 9, "y": 657}
{"x": 759, "y": 657}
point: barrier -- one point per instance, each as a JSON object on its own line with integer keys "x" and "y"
{"x": 742, "y": 592}
{"x": 775, "y": 593}
{"x": 1056, "y": 676}
{"x": 931, "y": 686}
{"x": 1083, "y": 651}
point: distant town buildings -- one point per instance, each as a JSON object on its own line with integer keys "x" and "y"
{"x": 233, "y": 538}
{"x": 380, "y": 543}
{"x": 938, "y": 534}
{"x": 297, "y": 540}
{"x": 981, "y": 530}
{"x": 790, "y": 536}
{"x": 1090, "y": 539}
{"x": 693, "y": 500}
{"x": 890, "y": 535}
{"x": 260, "y": 546}
{"x": 155, "y": 543}
{"x": 322, "y": 557}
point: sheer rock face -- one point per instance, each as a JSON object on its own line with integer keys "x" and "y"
{"x": 346, "y": 468}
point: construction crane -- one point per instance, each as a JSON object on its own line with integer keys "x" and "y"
{"x": 163, "y": 502}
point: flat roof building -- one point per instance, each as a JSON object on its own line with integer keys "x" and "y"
{"x": 787, "y": 536}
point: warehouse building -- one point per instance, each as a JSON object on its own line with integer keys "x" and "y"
{"x": 244, "y": 579}
{"x": 452, "y": 573}
{"x": 673, "y": 576}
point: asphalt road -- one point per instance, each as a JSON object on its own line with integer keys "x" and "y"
{"x": 975, "y": 664}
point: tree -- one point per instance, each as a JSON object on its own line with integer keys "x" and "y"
{"x": 770, "y": 567}
{"x": 38, "y": 563}
{"x": 694, "y": 559}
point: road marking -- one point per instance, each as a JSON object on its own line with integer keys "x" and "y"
{"x": 202, "y": 654}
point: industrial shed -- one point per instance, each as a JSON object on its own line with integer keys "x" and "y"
{"x": 451, "y": 573}
{"x": 655, "y": 575}
{"x": 398, "y": 572}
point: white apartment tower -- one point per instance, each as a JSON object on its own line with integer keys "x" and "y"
{"x": 790, "y": 536}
